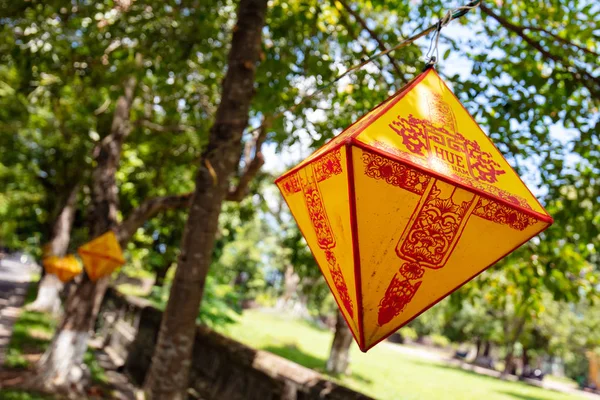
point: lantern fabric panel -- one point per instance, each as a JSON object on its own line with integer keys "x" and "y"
{"x": 65, "y": 268}
{"x": 49, "y": 263}
{"x": 312, "y": 193}
{"x": 97, "y": 266}
{"x": 441, "y": 237}
{"x": 101, "y": 256}
{"x": 428, "y": 203}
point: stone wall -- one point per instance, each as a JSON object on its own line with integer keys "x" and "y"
{"x": 222, "y": 368}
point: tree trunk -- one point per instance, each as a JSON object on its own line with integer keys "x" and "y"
{"x": 48, "y": 296}
{"x": 510, "y": 347}
{"x": 525, "y": 359}
{"x": 62, "y": 362}
{"x": 147, "y": 210}
{"x": 292, "y": 300}
{"x": 169, "y": 372}
{"x": 508, "y": 359}
{"x": 339, "y": 357}
{"x": 290, "y": 288}
{"x": 478, "y": 347}
{"x": 487, "y": 349}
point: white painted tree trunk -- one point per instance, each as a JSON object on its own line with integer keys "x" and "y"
{"x": 63, "y": 365}
{"x": 48, "y": 297}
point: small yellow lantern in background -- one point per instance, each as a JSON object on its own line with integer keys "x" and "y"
{"x": 65, "y": 268}
{"x": 101, "y": 256}
{"x": 49, "y": 263}
{"x": 406, "y": 205}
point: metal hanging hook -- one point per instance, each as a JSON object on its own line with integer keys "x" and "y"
{"x": 433, "y": 54}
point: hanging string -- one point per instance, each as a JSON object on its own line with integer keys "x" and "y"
{"x": 433, "y": 54}
{"x": 433, "y": 48}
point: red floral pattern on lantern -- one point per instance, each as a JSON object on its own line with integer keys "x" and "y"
{"x": 328, "y": 165}
{"x": 462, "y": 156}
{"x": 432, "y": 235}
{"x": 339, "y": 282}
{"x": 428, "y": 241}
{"x": 394, "y": 173}
{"x": 412, "y": 270}
{"x": 291, "y": 184}
{"x": 318, "y": 216}
{"x": 413, "y": 135}
{"x": 501, "y": 214}
{"x": 468, "y": 181}
{"x": 482, "y": 166}
{"x": 398, "y": 294}
{"x": 440, "y": 113}
{"x": 325, "y": 237}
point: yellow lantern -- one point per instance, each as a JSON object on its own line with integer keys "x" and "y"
{"x": 65, "y": 268}
{"x": 406, "y": 205}
{"x": 101, "y": 256}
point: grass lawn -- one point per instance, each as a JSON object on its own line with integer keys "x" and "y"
{"x": 383, "y": 373}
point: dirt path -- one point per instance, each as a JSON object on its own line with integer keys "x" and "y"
{"x": 14, "y": 280}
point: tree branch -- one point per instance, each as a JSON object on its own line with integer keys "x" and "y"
{"x": 107, "y": 154}
{"x": 103, "y": 107}
{"x": 147, "y": 210}
{"x": 238, "y": 192}
{"x": 580, "y": 75}
{"x": 372, "y": 33}
{"x": 274, "y": 214}
{"x": 562, "y": 40}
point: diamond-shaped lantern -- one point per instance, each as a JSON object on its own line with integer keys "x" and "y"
{"x": 101, "y": 256}
{"x": 65, "y": 268}
{"x": 406, "y": 205}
